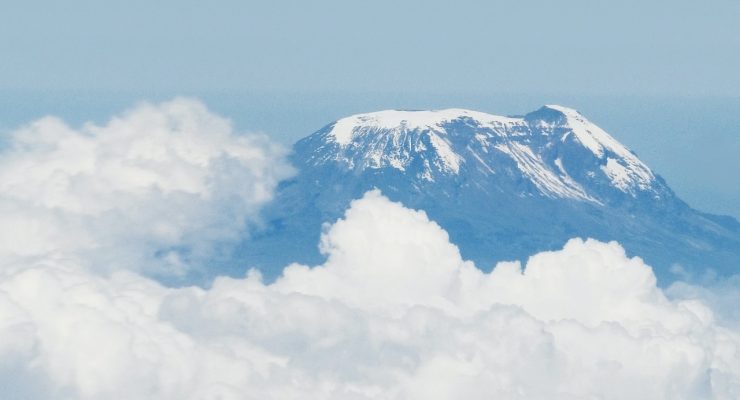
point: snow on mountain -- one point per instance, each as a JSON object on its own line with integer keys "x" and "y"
{"x": 445, "y": 142}
{"x": 624, "y": 169}
{"x": 397, "y": 122}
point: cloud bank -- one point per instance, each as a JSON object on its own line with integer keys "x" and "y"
{"x": 156, "y": 189}
{"x": 394, "y": 312}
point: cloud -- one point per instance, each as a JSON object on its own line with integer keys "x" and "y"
{"x": 157, "y": 189}
{"x": 90, "y": 216}
{"x": 394, "y": 313}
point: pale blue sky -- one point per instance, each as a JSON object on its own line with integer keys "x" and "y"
{"x": 661, "y": 76}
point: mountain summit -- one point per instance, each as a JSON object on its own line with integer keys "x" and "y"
{"x": 503, "y": 187}
{"x": 555, "y": 150}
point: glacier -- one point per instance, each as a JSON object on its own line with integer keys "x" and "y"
{"x": 503, "y": 187}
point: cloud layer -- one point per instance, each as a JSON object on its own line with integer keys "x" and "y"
{"x": 394, "y": 312}
{"x": 156, "y": 189}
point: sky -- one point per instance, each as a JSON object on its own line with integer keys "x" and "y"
{"x": 660, "y": 76}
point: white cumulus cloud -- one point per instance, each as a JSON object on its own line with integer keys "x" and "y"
{"x": 156, "y": 189}
{"x": 394, "y": 313}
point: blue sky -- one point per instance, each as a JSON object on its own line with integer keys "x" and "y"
{"x": 660, "y": 76}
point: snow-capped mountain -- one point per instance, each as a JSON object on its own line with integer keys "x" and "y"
{"x": 503, "y": 187}
{"x": 541, "y": 147}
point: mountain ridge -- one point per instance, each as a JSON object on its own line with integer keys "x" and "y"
{"x": 395, "y": 139}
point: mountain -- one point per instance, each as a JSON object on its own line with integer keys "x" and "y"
{"x": 502, "y": 187}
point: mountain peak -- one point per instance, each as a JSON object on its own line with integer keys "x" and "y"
{"x": 555, "y": 148}
{"x": 566, "y": 111}
{"x": 552, "y": 113}
{"x": 554, "y": 117}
